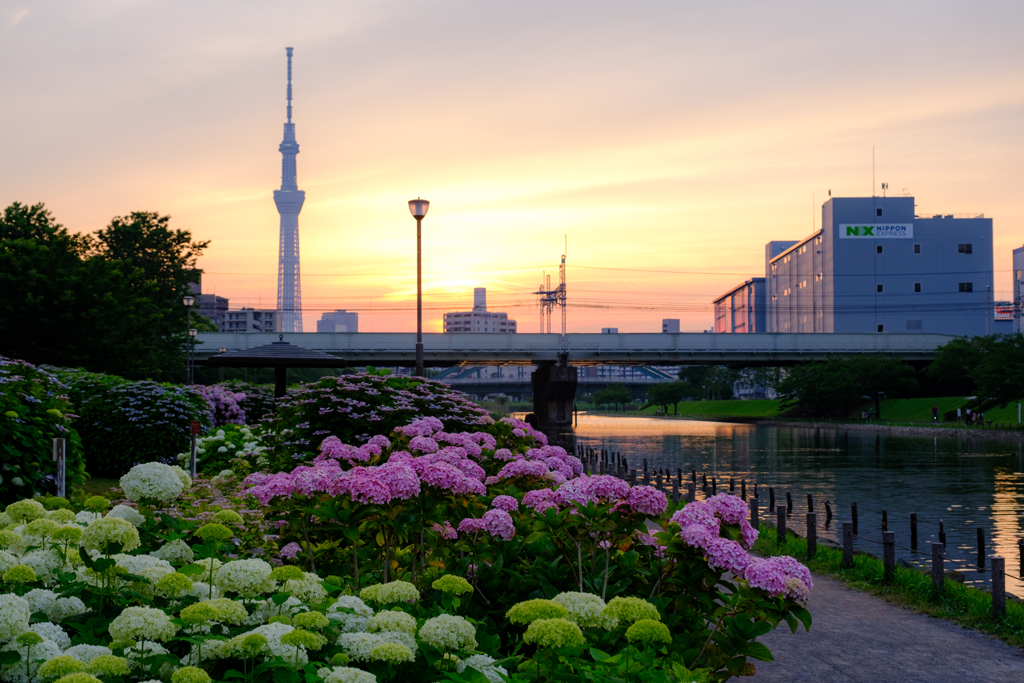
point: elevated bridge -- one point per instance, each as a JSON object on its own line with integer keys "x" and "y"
{"x": 390, "y": 349}
{"x": 555, "y": 378}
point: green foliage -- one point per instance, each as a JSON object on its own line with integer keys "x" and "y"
{"x": 216, "y": 450}
{"x": 669, "y": 394}
{"x": 34, "y": 410}
{"x": 123, "y": 423}
{"x": 109, "y": 302}
{"x": 731, "y": 408}
{"x": 838, "y": 384}
{"x": 614, "y": 394}
{"x": 713, "y": 382}
{"x": 354, "y": 406}
{"x": 259, "y": 399}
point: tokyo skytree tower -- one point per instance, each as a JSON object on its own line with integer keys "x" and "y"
{"x": 289, "y": 200}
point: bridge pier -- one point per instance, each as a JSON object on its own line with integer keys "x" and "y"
{"x": 554, "y": 392}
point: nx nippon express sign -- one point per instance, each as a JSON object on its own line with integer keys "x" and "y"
{"x": 883, "y": 231}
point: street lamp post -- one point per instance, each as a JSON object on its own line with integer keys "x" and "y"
{"x": 418, "y": 208}
{"x": 192, "y": 332}
{"x": 188, "y": 300}
{"x": 222, "y": 350}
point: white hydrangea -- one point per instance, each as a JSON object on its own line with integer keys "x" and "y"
{"x": 152, "y": 481}
{"x": 201, "y": 590}
{"x": 175, "y": 552}
{"x": 52, "y": 632}
{"x": 584, "y": 609}
{"x": 7, "y": 560}
{"x": 5, "y": 519}
{"x": 14, "y": 614}
{"x": 61, "y": 515}
{"x": 86, "y": 653}
{"x": 273, "y": 634}
{"x": 152, "y": 568}
{"x": 248, "y": 578}
{"x": 307, "y": 589}
{"x": 85, "y": 517}
{"x": 345, "y": 674}
{"x": 392, "y": 621}
{"x": 145, "y": 649}
{"x": 353, "y": 621}
{"x": 359, "y": 645}
{"x": 40, "y": 600}
{"x": 212, "y": 649}
{"x": 485, "y": 665}
{"x": 43, "y": 562}
{"x": 447, "y": 632}
{"x": 127, "y": 513}
{"x": 66, "y": 607}
{"x": 266, "y": 609}
{"x": 186, "y": 481}
{"x": 26, "y": 670}
{"x": 136, "y": 623}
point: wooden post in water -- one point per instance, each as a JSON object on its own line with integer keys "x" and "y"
{"x": 998, "y": 588}
{"x": 981, "y": 548}
{"x": 812, "y": 534}
{"x": 780, "y": 525}
{"x": 885, "y": 520}
{"x": 732, "y": 484}
{"x": 810, "y": 503}
{"x": 754, "y": 521}
{"x": 714, "y": 487}
{"x": 693, "y": 476}
{"x": 828, "y": 513}
{"x": 853, "y": 516}
{"x": 913, "y": 531}
{"x": 938, "y": 571}
{"x": 691, "y": 492}
{"x": 889, "y": 555}
{"x": 1020, "y": 550}
{"x": 942, "y": 533}
{"x": 675, "y": 491}
{"x": 789, "y": 503}
{"x": 771, "y": 499}
{"x": 847, "y": 544}
{"x": 743, "y": 489}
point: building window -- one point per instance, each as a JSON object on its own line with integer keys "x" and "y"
{"x": 917, "y": 248}
{"x": 966, "y": 286}
{"x": 917, "y": 286}
{"x": 963, "y": 248}
{"x": 881, "y": 328}
{"x": 878, "y": 249}
{"x": 913, "y": 325}
{"x": 878, "y": 212}
{"x": 879, "y": 288}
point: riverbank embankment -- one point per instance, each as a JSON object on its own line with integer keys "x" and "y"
{"x": 904, "y": 430}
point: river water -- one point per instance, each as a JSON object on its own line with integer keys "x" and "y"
{"x": 967, "y": 483}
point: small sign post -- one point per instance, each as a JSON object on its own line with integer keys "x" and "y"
{"x": 193, "y": 433}
{"x": 58, "y": 457}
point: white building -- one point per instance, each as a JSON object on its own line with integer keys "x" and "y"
{"x": 479, "y": 319}
{"x": 250, "y": 320}
{"x": 338, "y": 321}
{"x": 670, "y": 325}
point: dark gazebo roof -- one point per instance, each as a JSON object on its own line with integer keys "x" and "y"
{"x": 280, "y": 354}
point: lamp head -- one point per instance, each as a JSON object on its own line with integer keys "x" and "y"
{"x": 188, "y": 300}
{"x": 418, "y": 207}
{"x": 193, "y": 332}
{"x": 222, "y": 349}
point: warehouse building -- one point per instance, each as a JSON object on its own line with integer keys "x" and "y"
{"x": 874, "y": 266}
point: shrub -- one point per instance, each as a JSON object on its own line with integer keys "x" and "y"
{"x": 225, "y": 404}
{"x": 216, "y": 450}
{"x": 34, "y": 410}
{"x": 259, "y": 401}
{"x": 125, "y": 423}
{"x": 354, "y": 407}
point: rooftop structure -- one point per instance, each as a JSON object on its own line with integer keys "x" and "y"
{"x": 338, "y": 321}
{"x": 250, "y": 320}
{"x": 479, "y": 319}
{"x": 289, "y": 200}
{"x": 670, "y": 325}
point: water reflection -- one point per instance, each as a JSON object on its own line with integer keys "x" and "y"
{"x": 964, "y": 482}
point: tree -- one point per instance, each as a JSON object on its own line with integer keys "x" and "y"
{"x": 952, "y": 371}
{"x": 709, "y": 381}
{"x": 669, "y": 393}
{"x": 836, "y": 384}
{"x": 109, "y": 303}
{"x": 614, "y": 394}
{"x": 999, "y": 373}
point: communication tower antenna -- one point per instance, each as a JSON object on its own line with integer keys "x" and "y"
{"x": 548, "y": 298}
{"x": 547, "y": 288}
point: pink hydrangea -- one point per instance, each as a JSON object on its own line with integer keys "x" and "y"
{"x": 607, "y": 487}
{"x": 483, "y": 439}
{"x": 750, "y": 534}
{"x": 445, "y": 531}
{"x": 275, "y": 486}
{"x": 363, "y": 486}
{"x": 780, "y": 576}
{"x": 290, "y": 551}
{"x": 503, "y": 454}
{"x": 648, "y": 500}
{"x": 400, "y": 479}
{"x": 310, "y": 480}
{"x": 498, "y": 523}
{"x": 471, "y": 525}
{"x": 523, "y": 468}
{"x": 556, "y": 477}
{"x": 255, "y": 479}
{"x": 698, "y": 535}
{"x": 380, "y": 440}
{"x": 728, "y": 555}
{"x": 540, "y": 500}
{"x": 699, "y": 513}
{"x": 731, "y": 509}
{"x": 423, "y": 444}
{"x": 574, "y": 491}
{"x": 506, "y": 503}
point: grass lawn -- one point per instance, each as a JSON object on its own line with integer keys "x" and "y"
{"x": 754, "y": 408}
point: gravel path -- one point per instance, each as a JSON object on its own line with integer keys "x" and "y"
{"x": 859, "y": 638}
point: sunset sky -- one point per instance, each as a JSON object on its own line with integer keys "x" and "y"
{"x": 667, "y": 141}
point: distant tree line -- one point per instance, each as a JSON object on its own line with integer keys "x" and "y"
{"x": 109, "y": 302}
